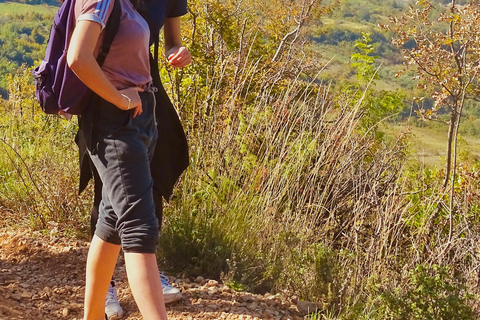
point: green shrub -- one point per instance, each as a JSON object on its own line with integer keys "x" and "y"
{"x": 431, "y": 293}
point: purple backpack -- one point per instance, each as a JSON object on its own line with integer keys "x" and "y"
{"x": 57, "y": 87}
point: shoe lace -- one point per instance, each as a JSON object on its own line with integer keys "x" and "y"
{"x": 111, "y": 294}
{"x": 165, "y": 281}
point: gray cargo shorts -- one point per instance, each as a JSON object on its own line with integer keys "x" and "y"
{"x": 121, "y": 149}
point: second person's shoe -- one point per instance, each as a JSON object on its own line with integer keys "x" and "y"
{"x": 113, "y": 310}
{"x": 170, "y": 293}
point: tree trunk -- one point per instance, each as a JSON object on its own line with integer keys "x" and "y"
{"x": 451, "y": 131}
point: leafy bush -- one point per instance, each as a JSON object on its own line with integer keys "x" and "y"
{"x": 432, "y": 293}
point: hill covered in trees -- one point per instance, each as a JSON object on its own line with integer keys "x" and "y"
{"x": 34, "y": 2}
{"x": 23, "y": 34}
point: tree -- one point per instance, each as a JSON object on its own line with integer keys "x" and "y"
{"x": 446, "y": 55}
{"x": 227, "y": 38}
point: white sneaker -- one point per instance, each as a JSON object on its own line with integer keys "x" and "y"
{"x": 113, "y": 310}
{"x": 170, "y": 294}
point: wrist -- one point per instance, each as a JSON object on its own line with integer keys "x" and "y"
{"x": 128, "y": 100}
{"x": 173, "y": 49}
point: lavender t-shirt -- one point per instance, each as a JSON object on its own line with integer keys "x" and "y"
{"x": 127, "y": 63}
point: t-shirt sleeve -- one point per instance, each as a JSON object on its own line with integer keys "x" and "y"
{"x": 177, "y": 8}
{"x": 94, "y": 10}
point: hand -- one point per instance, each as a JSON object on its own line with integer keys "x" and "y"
{"x": 135, "y": 101}
{"x": 179, "y": 57}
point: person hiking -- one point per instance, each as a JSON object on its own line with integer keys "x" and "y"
{"x": 119, "y": 131}
{"x": 171, "y": 151}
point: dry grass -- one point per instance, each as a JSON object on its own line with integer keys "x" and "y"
{"x": 39, "y": 170}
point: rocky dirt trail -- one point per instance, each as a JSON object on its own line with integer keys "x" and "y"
{"x": 42, "y": 277}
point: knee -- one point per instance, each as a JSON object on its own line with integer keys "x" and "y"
{"x": 140, "y": 236}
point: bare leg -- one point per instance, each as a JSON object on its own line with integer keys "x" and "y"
{"x": 144, "y": 280}
{"x": 101, "y": 261}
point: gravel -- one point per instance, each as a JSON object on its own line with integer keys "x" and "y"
{"x": 42, "y": 277}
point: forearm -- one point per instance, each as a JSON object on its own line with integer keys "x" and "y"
{"x": 88, "y": 70}
{"x": 172, "y": 33}
{"x": 81, "y": 60}
{"x": 178, "y": 56}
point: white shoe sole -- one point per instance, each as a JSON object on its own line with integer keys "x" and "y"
{"x": 116, "y": 316}
{"x": 172, "y": 298}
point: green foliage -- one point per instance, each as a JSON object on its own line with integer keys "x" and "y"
{"x": 22, "y": 40}
{"x": 17, "y": 9}
{"x": 368, "y": 11}
{"x": 34, "y": 2}
{"x": 363, "y": 61}
{"x": 432, "y": 293}
{"x": 235, "y": 285}
{"x": 377, "y": 105}
{"x": 316, "y": 264}
{"x": 38, "y": 162}
{"x": 279, "y": 168}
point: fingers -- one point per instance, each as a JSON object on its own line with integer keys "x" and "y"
{"x": 138, "y": 111}
{"x": 179, "y": 58}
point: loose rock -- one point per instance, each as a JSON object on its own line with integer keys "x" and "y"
{"x": 306, "y": 307}
{"x": 42, "y": 277}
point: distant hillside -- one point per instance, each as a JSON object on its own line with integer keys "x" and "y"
{"x": 15, "y": 9}
{"x": 335, "y": 36}
{"x": 49, "y": 2}
{"x": 24, "y": 30}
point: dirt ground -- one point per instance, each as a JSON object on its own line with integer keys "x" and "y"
{"x": 42, "y": 277}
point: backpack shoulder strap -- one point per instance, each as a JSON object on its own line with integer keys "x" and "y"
{"x": 111, "y": 30}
